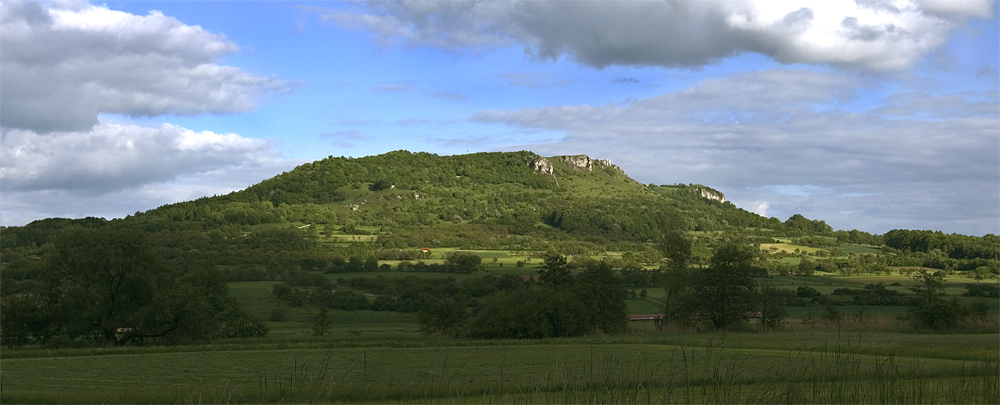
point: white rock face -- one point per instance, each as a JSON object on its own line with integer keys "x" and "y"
{"x": 541, "y": 165}
{"x": 577, "y": 162}
{"x": 711, "y": 195}
{"x": 584, "y": 162}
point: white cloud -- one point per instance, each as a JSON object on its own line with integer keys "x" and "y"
{"x": 958, "y": 8}
{"x": 113, "y": 157}
{"x": 62, "y": 65}
{"x": 875, "y": 35}
{"x": 759, "y": 207}
{"x": 116, "y": 169}
{"x": 21, "y": 207}
{"x": 761, "y": 130}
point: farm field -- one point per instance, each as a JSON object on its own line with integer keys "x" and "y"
{"x": 639, "y": 367}
{"x": 256, "y": 297}
{"x": 828, "y": 350}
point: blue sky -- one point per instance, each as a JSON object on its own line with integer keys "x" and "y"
{"x": 871, "y": 115}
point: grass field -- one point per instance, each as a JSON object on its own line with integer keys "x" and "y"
{"x": 787, "y": 248}
{"x": 381, "y": 357}
{"x": 641, "y": 367}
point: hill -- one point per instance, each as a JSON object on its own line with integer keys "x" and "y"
{"x": 388, "y": 205}
{"x": 511, "y": 196}
{"x": 501, "y": 200}
{"x": 352, "y": 235}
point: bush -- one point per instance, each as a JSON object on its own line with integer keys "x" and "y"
{"x": 278, "y": 314}
{"x": 807, "y": 292}
{"x": 239, "y": 324}
{"x": 991, "y": 290}
{"x": 939, "y": 314}
{"x": 528, "y": 314}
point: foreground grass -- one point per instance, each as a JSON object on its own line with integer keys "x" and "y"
{"x": 791, "y": 367}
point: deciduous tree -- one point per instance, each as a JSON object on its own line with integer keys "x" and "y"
{"x": 724, "y": 292}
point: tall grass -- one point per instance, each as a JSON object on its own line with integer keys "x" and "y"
{"x": 788, "y": 367}
{"x": 707, "y": 375}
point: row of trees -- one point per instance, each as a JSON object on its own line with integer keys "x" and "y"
{"x": 724, "y": 293}
{"x": 560, "y": 304}
{"x": 951, "y": 245}
{"x": 107, "y": 286}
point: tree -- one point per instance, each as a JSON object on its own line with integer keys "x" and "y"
{"x": 930, "y": 287}
{"x": 555, "y": 270}
{"x": 447, "y": 316}
{"x": 724, "y": 292}
{"x": 677, "y": 248}
{"x": 278, "y": 314}
{"x": 107, "y": 286}
{"x": 22, "y": 318}
{"x": 321, "y": 323}
{"x": 770, "y": 302}
{"x": 806, "y": 267}
{"x": 603, "y": 295}
{"x": 381, "y": 184}
{"x": 528, "y": 314}
{"x": 371, "y": 264}
{"x": 929, "y": 309}
{"x": 190, "y": 308}
{"x": 109, "y": 278}
{"x": 239, "y": 324}
{"x": 464, "y": 262}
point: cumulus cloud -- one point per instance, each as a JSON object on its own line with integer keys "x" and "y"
{"x": 21, "y": 207}
{"x": 875, "y": 35}
{"x": 62, "y": 64}
{"x": 113, "y": 157}
{"x": 751, "y": 133}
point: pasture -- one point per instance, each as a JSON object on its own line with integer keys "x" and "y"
{"x": 640, "y": 367}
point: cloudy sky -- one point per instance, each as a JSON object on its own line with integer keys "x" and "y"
{"x": 868, "y": 114}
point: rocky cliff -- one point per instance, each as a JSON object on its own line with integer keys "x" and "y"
{"x": 575, "y": 162}
{"x": 541, "y": 165}
{"x": 584, "y": 162}
{"x": 711, "y": 194}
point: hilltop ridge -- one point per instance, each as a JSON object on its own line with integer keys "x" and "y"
{"x": 515, "y": 200}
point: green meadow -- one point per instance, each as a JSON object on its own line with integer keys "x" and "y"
{"x": 382, "y": 357}
{"x": 643, "y": 366}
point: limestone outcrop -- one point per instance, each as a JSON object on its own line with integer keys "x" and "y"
{"x": 711, "y": 194}
{"x": 541, "y": 165}
{"x": 584, "y": 162}
{"x": 575, "y": 162}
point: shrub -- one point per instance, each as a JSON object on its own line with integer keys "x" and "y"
{"x": 991, "y": 290}
{"x": 278, "y": 314}
{"x": 529, "y": 314}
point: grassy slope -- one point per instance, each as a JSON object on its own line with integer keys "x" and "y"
{"x": 489, "y": 192}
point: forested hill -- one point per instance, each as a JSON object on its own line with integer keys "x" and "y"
{"x": 514, "y": 193}
{"x": 483, "y": 200}
{"x": 169, "y": 267}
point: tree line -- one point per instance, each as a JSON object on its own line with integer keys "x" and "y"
{"x": 107, "y": 286}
